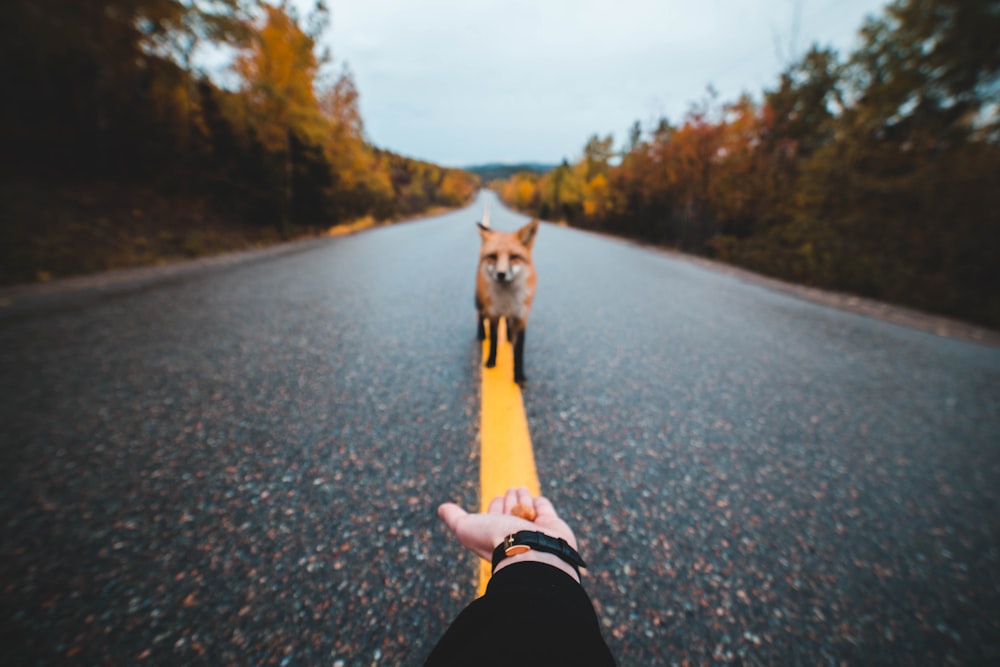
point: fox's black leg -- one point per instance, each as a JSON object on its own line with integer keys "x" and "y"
{"x": 480, "y": 331}
{"x": 491, "y": 361}
{"x": 510, "y": 330}
{"x": 519, "y": 358}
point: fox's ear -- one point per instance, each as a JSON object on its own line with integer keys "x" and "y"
{"x": 526, "y": 234}
{"x": 484, "y": 229}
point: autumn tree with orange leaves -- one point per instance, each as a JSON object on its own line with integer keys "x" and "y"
{"x": 878, "y": 174}
{"x": 108, "y": 110}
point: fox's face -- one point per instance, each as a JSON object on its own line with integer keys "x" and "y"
{"x": 505, "y": 257}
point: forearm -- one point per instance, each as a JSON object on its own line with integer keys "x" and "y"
{"x": 528, "y": 606}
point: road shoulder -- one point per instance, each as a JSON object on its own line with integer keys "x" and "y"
{"x": 908, "y": 317}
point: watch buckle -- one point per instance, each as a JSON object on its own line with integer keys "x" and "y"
{"x": 511, "y": 549}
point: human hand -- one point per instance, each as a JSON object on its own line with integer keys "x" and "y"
{"x": 481, "y": 533}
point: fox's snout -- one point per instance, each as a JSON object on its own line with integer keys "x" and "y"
{"x": 500, "y": 271}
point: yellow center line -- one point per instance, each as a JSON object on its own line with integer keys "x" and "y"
{"x": 506, "y": 459}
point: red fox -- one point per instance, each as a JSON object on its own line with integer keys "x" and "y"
{"x": 505, "y": 287}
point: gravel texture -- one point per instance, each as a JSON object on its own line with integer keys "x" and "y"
{"x": 241, "y": 467}
{"x": 239, "y": 464}
{"x": 760, "y": 480}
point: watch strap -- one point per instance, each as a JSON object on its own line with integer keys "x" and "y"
{"x": 525, "y": 540}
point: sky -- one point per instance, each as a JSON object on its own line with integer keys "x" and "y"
{"x": 467, "y": 82}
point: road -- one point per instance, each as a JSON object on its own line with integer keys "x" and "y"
{"x": 239, "y": 463}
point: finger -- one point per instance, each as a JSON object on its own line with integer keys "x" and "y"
{"x": 451, "y": 514}
{"x": 525, "y": 507}
{"x": 545, "y": 508}
{"x": 509, "y": 500}
{"x": 496, "y": 506}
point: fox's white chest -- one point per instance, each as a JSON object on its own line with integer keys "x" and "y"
{"x": 509, "y": 299}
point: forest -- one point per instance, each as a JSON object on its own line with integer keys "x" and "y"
{"x": 494, "y": 171}
{"x": 874, "y": 173}
{"x": 119, "y": 149}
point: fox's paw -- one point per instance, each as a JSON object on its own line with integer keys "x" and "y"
{"x": 490, "y": 364}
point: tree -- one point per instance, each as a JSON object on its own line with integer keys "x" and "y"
{"x": 634, "y": 137}
{"x": 278, "y": 72}
{"x": 183, "y": 26}
{"x": 893, "y": 194}
{"x": 597, "y": 154}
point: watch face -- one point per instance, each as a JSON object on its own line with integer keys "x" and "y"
{"x": 517, "y": 549}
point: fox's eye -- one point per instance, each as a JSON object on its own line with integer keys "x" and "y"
{"x": 516, "y": 258}
{"x": 492, "y": 257}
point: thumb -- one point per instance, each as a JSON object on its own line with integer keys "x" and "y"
{"x": 451, "y": 514}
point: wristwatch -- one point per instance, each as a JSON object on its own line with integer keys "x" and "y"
{"x": 526, "y": 540}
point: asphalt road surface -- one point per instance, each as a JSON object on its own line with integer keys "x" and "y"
{"x": 239, "y": 463}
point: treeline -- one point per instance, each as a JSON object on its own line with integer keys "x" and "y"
{"x": 112, "y": 92}
{"x": 878, "y": 174}
{"x": 494, "y": 171}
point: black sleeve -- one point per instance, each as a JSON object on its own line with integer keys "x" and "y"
{"x": 531, "y": 614}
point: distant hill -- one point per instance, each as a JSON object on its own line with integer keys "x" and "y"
{"x": 489, "y": 172}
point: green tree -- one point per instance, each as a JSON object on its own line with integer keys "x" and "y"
{"x": 893, "y": 200}
{"x": 597, "y": 154}
{"x": 634, "y": 137}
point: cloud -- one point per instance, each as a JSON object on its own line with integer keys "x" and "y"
{"x": 477, "y": 81}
